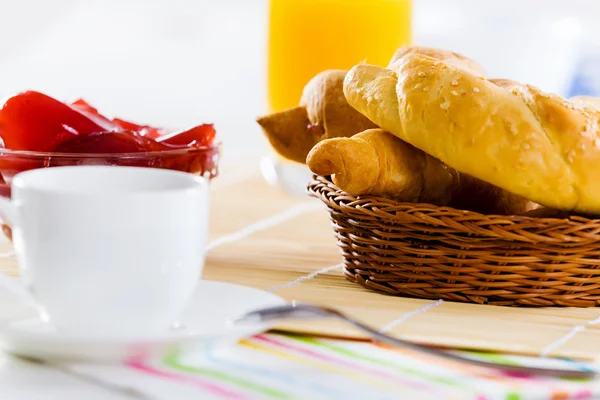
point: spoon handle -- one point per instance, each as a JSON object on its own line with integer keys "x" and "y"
{"x": 306, "y": 311}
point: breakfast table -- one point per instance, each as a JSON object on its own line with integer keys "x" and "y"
{"x": 265, "y": 238}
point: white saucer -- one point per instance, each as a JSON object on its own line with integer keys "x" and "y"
{"x": 207, "y": 319}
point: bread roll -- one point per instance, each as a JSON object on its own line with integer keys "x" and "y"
{"x": 375, "y": 162}
{"x": 538, "y": 146}
{"x": 290, "y": 133}
{"x": 323, "y": 113}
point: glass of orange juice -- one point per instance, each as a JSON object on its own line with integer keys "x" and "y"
{"x": 308, "y": 36}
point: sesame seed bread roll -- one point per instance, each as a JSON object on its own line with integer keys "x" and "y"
{"x": 516, "y": 137}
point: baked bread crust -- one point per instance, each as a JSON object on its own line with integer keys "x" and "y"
{"x": 516, "y": 137}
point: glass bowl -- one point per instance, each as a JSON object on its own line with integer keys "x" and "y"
{"x": 202, "y": 161}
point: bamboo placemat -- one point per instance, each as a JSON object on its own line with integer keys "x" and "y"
{"x": 293, "y": 240}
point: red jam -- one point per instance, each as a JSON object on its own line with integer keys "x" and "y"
{"x": 33, "y": 121}
{"x": 116, "y": 123}
{"x": 199, "y": 136}
{"x": 36, "y": 122}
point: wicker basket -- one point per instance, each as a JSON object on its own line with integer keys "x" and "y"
{"x": 431, "y": 252}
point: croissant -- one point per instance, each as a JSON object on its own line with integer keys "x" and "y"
{"x": 323, "y": 113}
{"x": 516, "y": 137}
{"x": 376, "y": 162}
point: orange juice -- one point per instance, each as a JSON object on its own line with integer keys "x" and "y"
{"x": 309, "y": 36}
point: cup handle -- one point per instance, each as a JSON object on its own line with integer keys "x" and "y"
{"x": 8, "y": 211}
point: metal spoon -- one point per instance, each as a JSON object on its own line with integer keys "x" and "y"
{"x": 305, "y": 311}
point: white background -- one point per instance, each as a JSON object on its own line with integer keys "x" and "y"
{"x": 179, "y": 62}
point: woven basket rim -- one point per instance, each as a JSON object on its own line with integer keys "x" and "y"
{"x": 389, "y": 204}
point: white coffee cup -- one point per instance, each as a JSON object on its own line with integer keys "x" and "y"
{"x": 108, "y": 250}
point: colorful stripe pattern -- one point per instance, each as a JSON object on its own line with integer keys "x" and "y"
{"x": 279, "y": 367}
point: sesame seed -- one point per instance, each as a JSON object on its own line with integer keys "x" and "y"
{"x": 422, "y": 74}
{"x": 476, "y": 90}
{"x": 426, "y": 89}
{"x": 418, "y": 85}
{"x": 370, "y": 99}
{"x": 454, "y": 93}
{"x": 455, "y": 83}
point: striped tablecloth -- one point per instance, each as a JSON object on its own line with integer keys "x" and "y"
{"x": 278, "y": 366}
